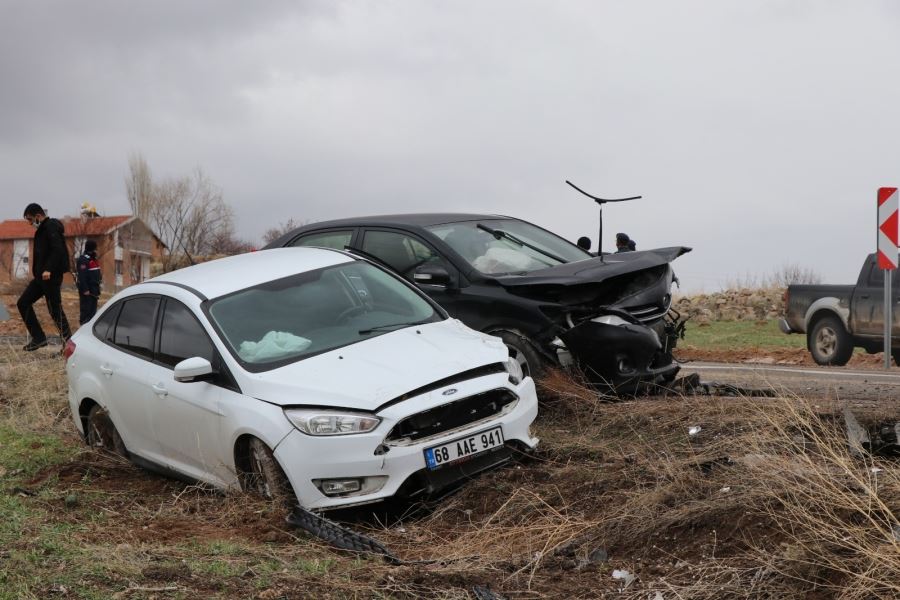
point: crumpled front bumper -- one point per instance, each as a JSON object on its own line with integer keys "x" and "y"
{"x": 401, "y": 469}
{"x": 625, "y": 357}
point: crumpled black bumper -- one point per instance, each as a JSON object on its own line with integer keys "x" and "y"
{"x": 625, "y": 358}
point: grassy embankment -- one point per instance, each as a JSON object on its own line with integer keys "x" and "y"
{"x": 741, "y": 335}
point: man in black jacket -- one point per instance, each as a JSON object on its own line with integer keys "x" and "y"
{"x": 50, "y": 260}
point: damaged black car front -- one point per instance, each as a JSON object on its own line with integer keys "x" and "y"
{"x": 610, "y": 317}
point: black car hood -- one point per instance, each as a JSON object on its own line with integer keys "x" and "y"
{"x": 596, "y": 269}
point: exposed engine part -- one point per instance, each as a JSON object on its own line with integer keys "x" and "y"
{"x": 673, "y": 329}
{"x": 886, "y": 440}
{"x": 562, "y": 353}
{"x": 617, "y": 352}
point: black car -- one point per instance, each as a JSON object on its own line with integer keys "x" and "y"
{"x": 550, "y": 301}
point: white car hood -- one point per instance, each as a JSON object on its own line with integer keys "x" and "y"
{"x": 367, "y": 374}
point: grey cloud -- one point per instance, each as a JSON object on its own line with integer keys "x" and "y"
{"x": 757, "y": 132}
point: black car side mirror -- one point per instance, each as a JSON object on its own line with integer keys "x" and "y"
{"x": 432, "y": 274}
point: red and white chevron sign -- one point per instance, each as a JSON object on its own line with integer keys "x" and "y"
{"x": 887, "y": 228}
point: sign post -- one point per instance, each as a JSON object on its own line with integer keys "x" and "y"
{"x": 887, "y": 258}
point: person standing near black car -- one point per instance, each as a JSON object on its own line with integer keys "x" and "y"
{"x": 50, "y": 261}
{"x": 88, "y": 279}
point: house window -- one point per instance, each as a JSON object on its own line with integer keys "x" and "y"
{"x": 119, "y": 267}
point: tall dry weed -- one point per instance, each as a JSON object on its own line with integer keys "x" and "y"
{"x": 838, "y": 512}
{"x": 33, "y": 390}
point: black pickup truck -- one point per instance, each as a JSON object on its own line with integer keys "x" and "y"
{"x": 838, "y": 318}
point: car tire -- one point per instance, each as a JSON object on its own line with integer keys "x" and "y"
{"x": 829, "y": 343}
{"x": 101, "y": 433}
{"x": 265, "y": 476}
{"x": 896, "y": 356}
{"x": 523, "y": 351}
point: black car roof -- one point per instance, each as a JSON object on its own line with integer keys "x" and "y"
{"x": 417, "y": 219}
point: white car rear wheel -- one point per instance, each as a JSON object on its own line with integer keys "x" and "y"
{"x": 102, "y": 434}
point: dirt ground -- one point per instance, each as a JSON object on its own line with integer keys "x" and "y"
{"x": 771, "y": 356}
{"x": 15, "y": 327}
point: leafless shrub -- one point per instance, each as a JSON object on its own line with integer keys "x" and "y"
{"x": 785, "y": 275}
{"x": 792, "y": 273}
{"x": 282, "y": 228}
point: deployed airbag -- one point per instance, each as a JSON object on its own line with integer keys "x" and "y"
{"x": 273, "y": 345}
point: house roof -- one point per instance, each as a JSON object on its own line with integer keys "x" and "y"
{"x": 19, "y": 229}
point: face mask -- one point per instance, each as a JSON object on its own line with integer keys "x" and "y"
{"x": 35, "y": 224}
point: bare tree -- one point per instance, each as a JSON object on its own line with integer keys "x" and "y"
{"x": 139, "y": 187}
{"x": 225, "y": 241}
{"x": 188, "y": 214}
{"x": 274, "y": 233}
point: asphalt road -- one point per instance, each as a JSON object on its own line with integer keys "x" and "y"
{"x": 809, "y": 382}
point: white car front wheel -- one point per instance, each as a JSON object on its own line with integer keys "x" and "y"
{"x": 264, "y": 476}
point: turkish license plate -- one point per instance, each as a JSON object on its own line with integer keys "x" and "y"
{"x": 438, "y": 456}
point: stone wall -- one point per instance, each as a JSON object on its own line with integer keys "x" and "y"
{"x": 732, "y": 305}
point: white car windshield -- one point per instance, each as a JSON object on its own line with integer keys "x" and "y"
{"x": 289, "y": 319}
{"x": 504, "y": 246}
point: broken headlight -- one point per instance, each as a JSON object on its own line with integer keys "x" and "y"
{"x": 515, "y": 371}
{"x": 319, "y": 422}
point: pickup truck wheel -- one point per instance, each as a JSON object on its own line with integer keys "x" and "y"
{"x": 829, "y": 343}
{"x": 524, "y": 353}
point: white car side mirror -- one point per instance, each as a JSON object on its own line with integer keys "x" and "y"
{"x": 193, "y": 369}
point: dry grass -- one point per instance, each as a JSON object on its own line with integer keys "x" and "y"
{"x": 794, "y": 511}
{"x": 766, "y": 501}
{"x": 839, "y": 513}
{"x": 33, "y": 390}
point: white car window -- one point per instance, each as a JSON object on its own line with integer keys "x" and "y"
{"x": 134, "y": 329}
{"x": 182, "y": 336}
{"x": 310, "y": 313}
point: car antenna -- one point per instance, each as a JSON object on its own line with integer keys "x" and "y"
{"x": 601, "y": 202}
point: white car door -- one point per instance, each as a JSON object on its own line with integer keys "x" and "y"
{"x": 186, "y": 417}
{"x": 123, "y": 370}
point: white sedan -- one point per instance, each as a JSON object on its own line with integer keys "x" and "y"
{"x": 300, "y": 373}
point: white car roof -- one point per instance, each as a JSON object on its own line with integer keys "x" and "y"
{"x": 225, "y": 275}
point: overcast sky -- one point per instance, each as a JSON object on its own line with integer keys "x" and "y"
{"x": 757, "y": 132}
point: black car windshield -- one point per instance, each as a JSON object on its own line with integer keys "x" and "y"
{"x": 289, "y": 319}
{"x": 502, "y": 246}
